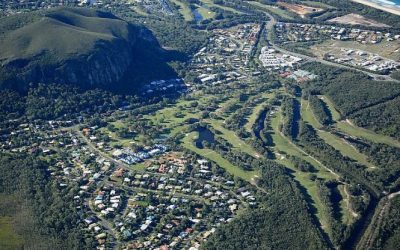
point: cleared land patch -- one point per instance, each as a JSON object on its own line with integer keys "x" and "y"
{"x": 301, "y": 10}
{"x": 8, "y": 238}
{"x": 318, "y": 4}
{"x": 355, "y": 19}
{"x": 389, "y": 50}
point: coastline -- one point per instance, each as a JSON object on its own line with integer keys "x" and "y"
{"x": 390, "y": 9}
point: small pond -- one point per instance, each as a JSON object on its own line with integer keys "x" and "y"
{"x": 197, "y": 16}
{"x": 204, "y": 135}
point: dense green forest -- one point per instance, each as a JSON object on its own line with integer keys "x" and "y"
{"x": 42, "y": 212}
{"x": 383, "y": 118}
{"x": 388, "y": 234}
{"x": 372, "y": 104}
{"x": 384, "y": 156}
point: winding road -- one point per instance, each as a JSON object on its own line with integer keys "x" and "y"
{"x": 270, "y": 26}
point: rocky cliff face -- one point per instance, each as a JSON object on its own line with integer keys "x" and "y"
{"x": 68, "y": 46}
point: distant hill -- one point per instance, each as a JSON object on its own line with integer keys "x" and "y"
{"x": 77, "y": 46}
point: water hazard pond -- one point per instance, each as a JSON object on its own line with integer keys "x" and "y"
{"x": 204, "y": 135}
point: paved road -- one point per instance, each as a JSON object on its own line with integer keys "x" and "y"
{"x": 270, "y": 25}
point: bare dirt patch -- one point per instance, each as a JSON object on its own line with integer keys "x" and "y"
{"x": 355, "y": 19}
{"x": 299, "y": 9}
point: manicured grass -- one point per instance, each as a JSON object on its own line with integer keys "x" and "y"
{"x": 253, "y": 117}
{"x": 184, "y": 9}
{"x": 353, "y": 130}
{"x": 312, "y": 191}
{"x": 318, "y": 4}
{"x": 347, "y": 217}
{"x": 366, "y": 134}
{"x": 205, "y": 13}
{"x": 333, "y": 140}
{"x": 282, "y": 144}
{"x": 336, "y": 116}
{"x": 345, "y": 148}
{"x": 139, "y": 167}
{"x": 139, "y": 11}
{"x": 273, "y": 9}
{"x": 210, "y": 3}
{"x": 232, "y": 138}
{"x": 9, "y": 240}
{"x": 256, "y": 111}
{"x": 218, "y": 159}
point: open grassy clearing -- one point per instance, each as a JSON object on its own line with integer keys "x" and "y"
{"x": 206, "y": 13}
{"x": 318, "y": 4}
{"x": 335, "y": 141}
{"x": 253, "y": 117}
{"x": 217, "y": 158}
{"x": 9, "y": 240}
{"x": 184, "y": 9}
{"x": 210, "y": 3}
{"x": 232, "y": 138}
{"x": 347, "y": 217}
{"x": 336, "y": 116}
{"x": 350, "y": 129}
{"x": 353, "y": 130}
{"x": 272, "y": 9}
{"x": 139, "y": 11}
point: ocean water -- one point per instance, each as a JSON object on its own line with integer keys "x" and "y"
{"x": 387, "y": 2}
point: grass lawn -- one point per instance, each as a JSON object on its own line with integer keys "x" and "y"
{"x": 333, "y": 140}
{"x": 282, "y": 144}
{"x": 184, "y": 10}
{"x": 336, "y": 116}
{"x": 9, "y": 240}
{"x": 366, "y": 134}
{"x": 138, "y": 167}
{"x": 347, "y": 217}
{"x": 253, "y": 117}
{"x": 256, "y": 111}
{"x": 311, "y": 190}
{"x": 273, "y": 9}
{"x": 205, "y": 13}
{"x": 232, "y": 138}
{"x": 210, "y": 3}
{"x": 353, "y": 130}
{"x": 318, "y": 4}
{"x": 217, "y": 158}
